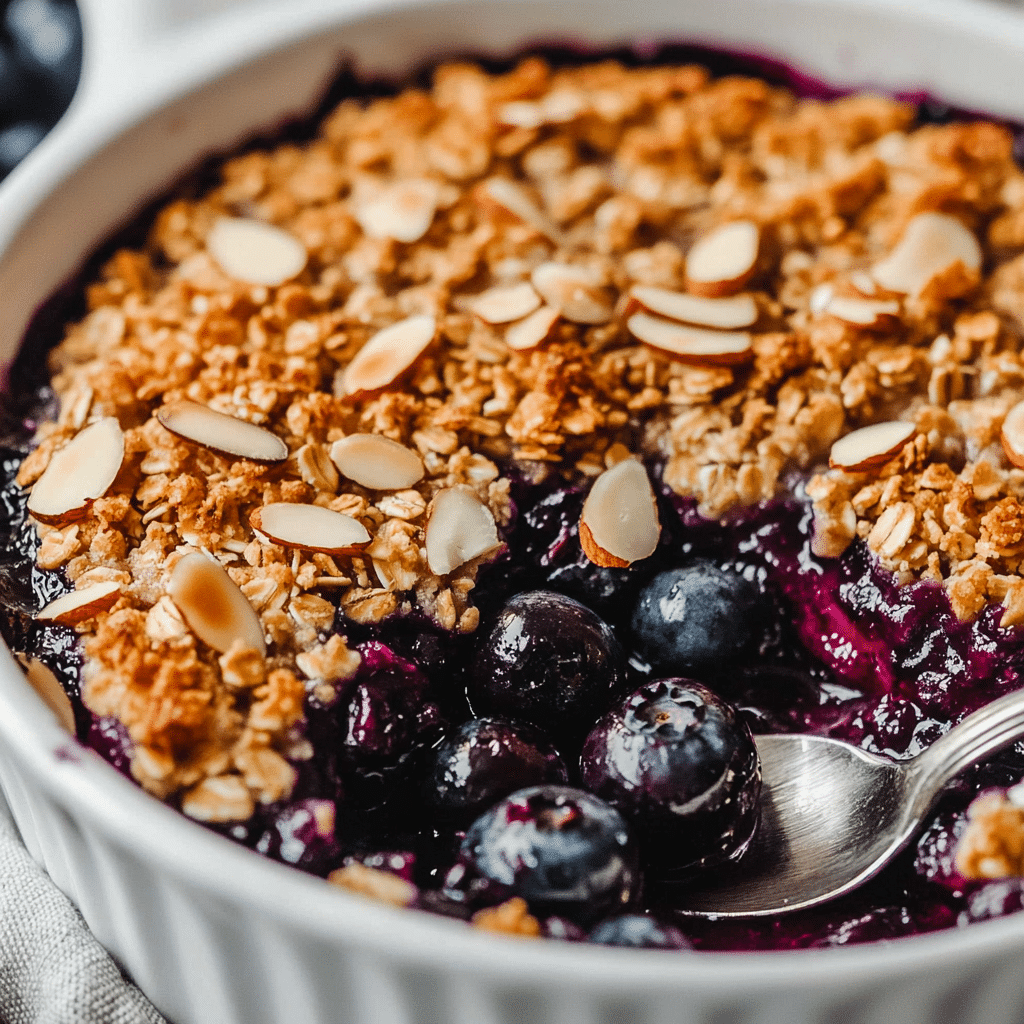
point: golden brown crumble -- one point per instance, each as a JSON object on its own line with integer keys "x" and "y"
{"x": 422, "y": 203}
{"x": 992, "y": 844}
{"x": 512, "y": 917}
{"x": 375, "y": 883}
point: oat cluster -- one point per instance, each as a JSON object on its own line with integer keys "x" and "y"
{"x": 519, "y": 211}
{"x": 992, "y": 844}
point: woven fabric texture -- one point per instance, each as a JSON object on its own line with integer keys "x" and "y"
{"x": 52, "y": 969}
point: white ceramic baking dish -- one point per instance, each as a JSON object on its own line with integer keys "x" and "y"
{"x": 214, "y": 934}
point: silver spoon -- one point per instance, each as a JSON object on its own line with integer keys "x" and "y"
{"x": 833, "y": 816}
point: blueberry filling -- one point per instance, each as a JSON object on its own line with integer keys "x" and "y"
{"x": 593, "y": 736}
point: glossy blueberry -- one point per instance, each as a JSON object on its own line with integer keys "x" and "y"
{"x": 679, "y": 763}
{"x": 995, "y": 899}
{"x": 386, "y": 709}
{"x": 548, "y": 660}
{"x": 483, "y": 760}
{"x": 638, "y": 931}
{"x": 15, "y": 86}
{"x": 563, "y": 850}
{"x": 17, "y": 141}
{"x": 47, "y": 38}
{"x": 696, "y": 619}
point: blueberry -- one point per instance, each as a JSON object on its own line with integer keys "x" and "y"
{"x": 47, "y": 37}
{"x": 382, "y": 718}
{"x": 563, "y": 850}
{"x": 995, "y": 899}
{"x": 378, "y": 731}
{"x": 679, "y": 763}
{"x": 482, "y": 761}
{"x": 548, "y": 660}
{"x": 15, "y": 88}
{"x": 696, "y": 619}
{"x": 17, "y": 141}
{"x": 638, "y": 931}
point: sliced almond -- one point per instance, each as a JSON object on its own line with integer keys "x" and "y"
{"x": 221, "y": 432}
{"x": 931, "y": 243}
{"x": 213, "y": 606}
{"x": 403, "y": 211}
{"x": 862, "y": 312}
{"x": 460, "y": 528}
{"x": 78, "y": 473}
{"x": 727, "y": 313}
{"x": 377, "y": 462}
{"x": 534, "y": 329}
{"x": 521, "y": 114}
{"x": 46, "y": 684}
{"x": 820, "y": 297}
{"x": 722, "y": 261}
{"x": 80, "y": 605}
{"x": 505, "y": 304}
{"x": 310, "y": 527}
{"x": 619, "y": 523}
{"x": 870, "y": 446}
{"x": 387, "y": 355}
{"x": 255, "y": 252}
{"x": 697, "y": 345}
{"x": 1012, "y": 435}
{"x": 573, "y": 291}
{"x": 508, "y": 196}
{"x": 864, "y": 283}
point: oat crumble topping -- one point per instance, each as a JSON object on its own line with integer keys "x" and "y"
{"x": 516, "y": 212}
{"x": 512, "y": 917}
{"x": 992, "y": 845}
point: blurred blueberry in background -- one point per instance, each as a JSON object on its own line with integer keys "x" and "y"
{"x": 40, "y": 61}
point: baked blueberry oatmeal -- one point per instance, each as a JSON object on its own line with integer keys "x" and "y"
{"x": 442, "y": 504}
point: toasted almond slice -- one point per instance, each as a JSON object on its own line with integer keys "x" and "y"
{"x": 820, "y": 297}
{"x": 931, "y": 243}
{"x": 521, "y": 114}
{"x": 387, "y": 355}
{"x": 573, "y": 291}
{"x": 310, "y": 527}
{"x": 862, "y": 312}
{"x": 1012, "y": 435}
{"x": 510, "y": 197}
{"x": 460, "y": 528}
{"x": 403, "y": 210}
{"x": 82, "y": 604}
{"x": 221, "y": 432}
{"x": 46, "y": 684}
{"x": 213, "y": 606}
{"x": 698, "y": 345}
{"x": 722, "y": 261}
{"x": 728, "y": 313}
{"x": 870, "y": 446}
{"x": 78, "y": 473}
{"x": 255, "y": 252}
{"x": 864, "y": 283}
{"x": 534, "y": 329}
{"x": 619, "y": 522}
{"x": 504, "y": 304}
{"x": 377, "y": 462}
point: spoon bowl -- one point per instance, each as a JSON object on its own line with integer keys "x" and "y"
{"x": 832, "y": 815}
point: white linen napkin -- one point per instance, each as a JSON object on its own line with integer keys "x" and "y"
{"x": 52, "y": 969}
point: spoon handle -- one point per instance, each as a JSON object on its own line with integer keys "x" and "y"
{"x": 980, "y": 734}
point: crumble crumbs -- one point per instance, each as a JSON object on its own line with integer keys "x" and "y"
{"x": 374, "y": 883}
{"x": 510, "y": 918}
{"x": 992, "y": 845}
{"x": 444, "y": 203}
